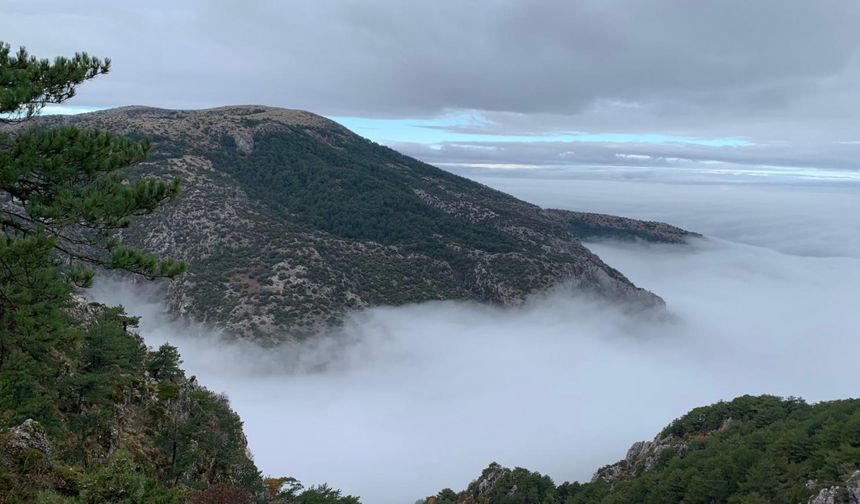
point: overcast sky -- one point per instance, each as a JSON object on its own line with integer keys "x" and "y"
{"x": 542, "y": 83}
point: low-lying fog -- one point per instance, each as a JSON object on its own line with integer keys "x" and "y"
{"x": 413, "y": 399}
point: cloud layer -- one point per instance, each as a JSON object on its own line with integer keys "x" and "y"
{"x": 408, "y": 400}
{"x": 424, "y": 57}
{"x": 782, "y": 75}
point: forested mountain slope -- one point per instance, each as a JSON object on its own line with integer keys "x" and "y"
{"x": 288, "y": 220}
{"x": 752, "y": 450}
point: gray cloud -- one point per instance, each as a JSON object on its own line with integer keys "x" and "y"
{"x": 829, "y": 155}
{"x": 770, "y": 69}
{"x": 408, "y": 400}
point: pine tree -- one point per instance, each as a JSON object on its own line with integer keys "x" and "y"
{"x": 67, "y": 184}
{"x": 63, "y": 198}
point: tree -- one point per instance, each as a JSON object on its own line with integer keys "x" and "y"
{"x": 63, "y": 198}
{"x": 164, "y": 363}
{"x": 109, "y": 362}
{"x": 65, "y": 183}
{"x": 22, "y": 393}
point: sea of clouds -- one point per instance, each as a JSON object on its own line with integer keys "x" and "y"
{"x": 405, "y": 401}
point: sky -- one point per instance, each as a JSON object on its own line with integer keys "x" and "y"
{"x": 406, "y": 401}
{"x": 737, "y": 85}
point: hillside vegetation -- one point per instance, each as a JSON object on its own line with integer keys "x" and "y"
{"x": 752, "y": 450}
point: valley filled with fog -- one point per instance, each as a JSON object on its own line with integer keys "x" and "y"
{"x": 408, "y": 400}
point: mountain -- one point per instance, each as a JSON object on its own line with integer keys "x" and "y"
{"x": 752, "y": 450}
{"x": 288, "y": 220}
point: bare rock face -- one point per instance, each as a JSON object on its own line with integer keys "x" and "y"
{"x": 849, "y": 493}
{"x": 289, "y": 220}
{"x": 28, "y": 436}
{"x": 488, "y": 480}
{"x": 642, "y": 456}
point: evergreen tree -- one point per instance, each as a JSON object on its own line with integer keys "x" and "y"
{"x": 62, "y": 199}
{"x": 66, "y": 184}
{"x": 164, "y": 363}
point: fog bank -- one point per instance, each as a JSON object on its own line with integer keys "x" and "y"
{"x": 408, "y": 400}
{"x": 798, "y": 213}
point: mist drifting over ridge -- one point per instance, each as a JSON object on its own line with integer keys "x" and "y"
{"x": 408, "y": 400}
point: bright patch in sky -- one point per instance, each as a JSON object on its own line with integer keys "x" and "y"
{"x": 68, "y": 109}
{"x": 452, "y": 128}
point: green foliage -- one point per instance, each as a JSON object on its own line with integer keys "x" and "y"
{"x": 749, "y": 450}
{"x": 761, "y": 410}
{"x": 66, "y": 183}
{"x": 513, "y": 486}
{"x": 122, "y": 481}
{"x": 29, "y": 83}
{"x": 32, "y": 297}
{"x": 211, "y": 433}
{"x": 109, "y": 363}
{"x": 23, "y": 392}
{"x": 164, "y": 364}
{"x": 355, "y": 190}
{"x": 446, "y": 496}
{"x": 291, "y": 491}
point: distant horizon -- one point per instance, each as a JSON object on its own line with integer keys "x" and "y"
{"x": 422, "y": 138}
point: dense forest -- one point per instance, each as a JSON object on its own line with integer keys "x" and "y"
{"x": 88, "y": 413}
{"x": 349, "y": 187}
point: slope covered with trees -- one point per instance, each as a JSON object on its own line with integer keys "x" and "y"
{"x": 88, "y": 413}
{"x": 752, "y": 450}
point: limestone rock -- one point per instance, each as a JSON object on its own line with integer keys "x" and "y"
{"x": 848, "y": 493}
{"x": 642, "y": 456}
{"x": 30, "y": 435}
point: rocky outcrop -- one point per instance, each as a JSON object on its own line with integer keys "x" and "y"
{"x": 847, "y": 493}
{"x": 27, "y": 437}
{"x": 487, "y": 482}
{"x": 642, "y": 456}
{"x": 594, "y": 226}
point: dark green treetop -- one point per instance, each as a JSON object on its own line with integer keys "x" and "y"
{"x": 65, "y": 183}
{"x": 30, "y": 83}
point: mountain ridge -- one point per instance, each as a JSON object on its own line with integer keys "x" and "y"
{"x": 750, "y": 450}
{"x": 289, "y": 220}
